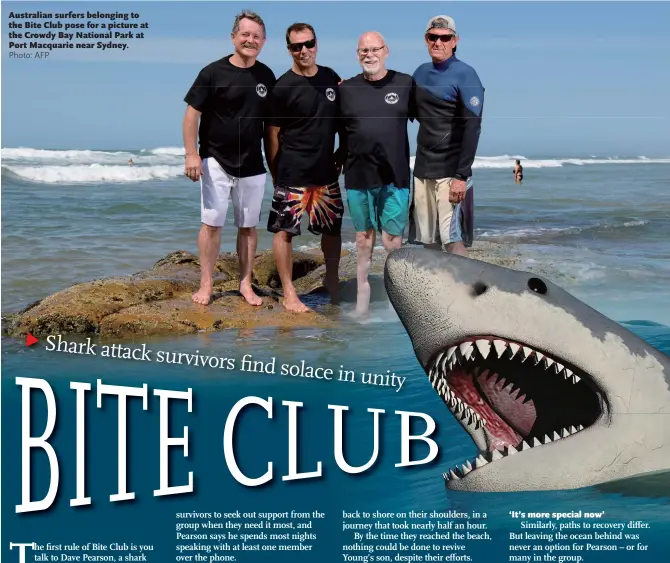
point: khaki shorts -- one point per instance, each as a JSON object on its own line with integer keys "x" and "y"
{"x": 433, "y": 219}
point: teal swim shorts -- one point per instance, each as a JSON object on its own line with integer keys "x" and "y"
{"x": 385, "y": 208}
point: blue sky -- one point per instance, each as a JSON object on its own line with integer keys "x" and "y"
{"x": 561, "y": 78}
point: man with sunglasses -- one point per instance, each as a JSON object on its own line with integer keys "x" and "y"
{"x": 450, "y": 99}
{"x": 376, "y": 105}
{"x": 305, "y": 168}
{"x": 226, "y": 106}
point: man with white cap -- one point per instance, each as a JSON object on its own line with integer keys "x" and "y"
{"x": 449, "y": 99}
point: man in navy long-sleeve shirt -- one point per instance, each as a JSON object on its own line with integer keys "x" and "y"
{"x": 449, "y": 100}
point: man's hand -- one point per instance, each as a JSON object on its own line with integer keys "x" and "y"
{"x": 457, "y": 190}
{"x": 193, "y": 166}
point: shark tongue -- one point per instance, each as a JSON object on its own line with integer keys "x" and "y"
{"x": 498, "y": 433}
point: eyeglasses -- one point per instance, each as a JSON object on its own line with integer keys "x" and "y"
{"x": 435, "y": 36}
{"x": 297, "y": 47}
{"x": 373, "y": 50}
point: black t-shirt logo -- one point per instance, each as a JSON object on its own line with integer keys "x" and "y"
{"x": 261, "y": 90}
{"x": 330, "y": 94}
{"x": 391, "y": 98}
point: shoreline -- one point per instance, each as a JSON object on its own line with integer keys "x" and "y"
{"x": 157, "y": 301}
{"x": 492, "y": 252}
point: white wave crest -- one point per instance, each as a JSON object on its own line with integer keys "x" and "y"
{"x": 507, "y": 162}
{"x": 94, "y": 173}
{"x": 529, "y": 232}
{"x": 66, "y": 157}
{"x": 171, "y": 151}
{"x": 41, "y": 165}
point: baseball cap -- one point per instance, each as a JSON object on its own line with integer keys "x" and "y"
{"x": 441, "y": 22}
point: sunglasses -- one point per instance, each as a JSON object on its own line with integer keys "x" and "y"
{"x": 297, "y": 47}
{"x": 435, "y": 36}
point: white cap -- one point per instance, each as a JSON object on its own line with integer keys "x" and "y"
{"x": 441, "y": 22}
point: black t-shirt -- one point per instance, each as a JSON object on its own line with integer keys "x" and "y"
{"x": 306, "y": 109}
{"x": 376, "y": 114}
{"x": 233, "y": 102}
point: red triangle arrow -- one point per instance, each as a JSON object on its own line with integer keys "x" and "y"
{"x": 30, "y": 340}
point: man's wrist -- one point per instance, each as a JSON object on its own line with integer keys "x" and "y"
{"x": 460, "y": 177}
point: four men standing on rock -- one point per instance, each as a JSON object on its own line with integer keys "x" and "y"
{"x": 239, "y": 103}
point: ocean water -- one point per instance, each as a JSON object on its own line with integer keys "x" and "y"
{"x": 599, "y": 224}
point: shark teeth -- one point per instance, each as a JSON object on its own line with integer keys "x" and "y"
{"x": 500, "y": 347}
{"x": 463, "y": 355}
{"x": 460, "y": 409}
{"x": 482, "y": 348}
{"x": 514, "y": 348}
{"x": 484, "y": 458}
{"x": 466, "y": 352}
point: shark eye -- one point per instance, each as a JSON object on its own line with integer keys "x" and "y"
{"x": 537, "y": 285}
{"x": 478, "y": 288}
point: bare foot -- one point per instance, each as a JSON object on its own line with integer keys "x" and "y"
{"x": 360, "y": 315}
{"x": 362, "y": 311}
{"x": 203, "y": 296}
{"x": 294, "y": 305}
{"x": 251, "y": 297}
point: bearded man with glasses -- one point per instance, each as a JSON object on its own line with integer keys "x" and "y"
{"x": 450, "y": 100}
{"x": 305, "y": 168}
{"x": 376, "y": 105}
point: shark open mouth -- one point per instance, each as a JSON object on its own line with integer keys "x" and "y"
{"x": 511, "y": 398}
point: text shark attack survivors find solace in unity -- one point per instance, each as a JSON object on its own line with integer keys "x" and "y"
{"x": 56, "y": 343}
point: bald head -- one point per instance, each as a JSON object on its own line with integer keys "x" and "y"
{"x": 372, "y": 52}
{"x": 371, "y": 36}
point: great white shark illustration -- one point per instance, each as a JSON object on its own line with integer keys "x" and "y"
{"x": 554, "y": 394}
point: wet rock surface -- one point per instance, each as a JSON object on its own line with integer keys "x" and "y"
{"x": 158, "y": 301}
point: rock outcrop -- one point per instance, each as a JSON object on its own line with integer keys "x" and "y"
{"x": 158, "y": 301}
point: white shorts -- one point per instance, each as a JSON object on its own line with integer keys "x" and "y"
{"x": 216, "y": 186}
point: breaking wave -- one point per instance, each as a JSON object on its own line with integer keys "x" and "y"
{"x": 507, "y": 161}
{"x": 90, "y": 166}
{"x": 94, "y": 173}
{"x": 172, "y": 151}
{"x": 527, "y": 234}
{"x": 69, "y": 156}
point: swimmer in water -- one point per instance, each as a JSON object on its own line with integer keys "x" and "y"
{"x": 518, "y": 172}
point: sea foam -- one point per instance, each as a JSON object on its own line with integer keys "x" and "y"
{"x": 76, "y": 166}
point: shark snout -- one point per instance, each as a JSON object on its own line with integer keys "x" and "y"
{"x": 428, "y": 289}
{"x": 408, "y": 268}
{"x": 398, "y": 266}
